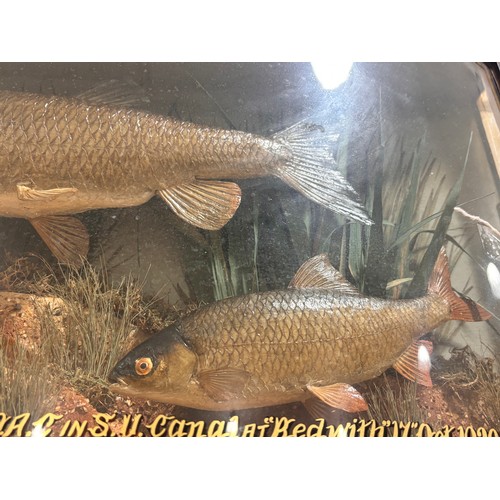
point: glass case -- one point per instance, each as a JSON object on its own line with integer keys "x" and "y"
{"x": 249, "y": 249}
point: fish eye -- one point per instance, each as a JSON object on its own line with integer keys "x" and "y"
{"x": 143, "y": 366}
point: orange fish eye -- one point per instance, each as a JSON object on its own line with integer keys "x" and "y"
{"x": 143, "y": 366}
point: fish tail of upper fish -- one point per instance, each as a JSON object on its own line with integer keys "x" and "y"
{"x": 300, "y": 155}
{"x": 461, "y": 308}
{"x": 308, "y": 170}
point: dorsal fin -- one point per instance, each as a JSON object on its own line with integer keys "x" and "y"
{"x": 116, "y": 93}
{"x": 317, "y": 272}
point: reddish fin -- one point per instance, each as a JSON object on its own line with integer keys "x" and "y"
{"x": 317, "y": 272}
{"x": 461, "y": 308}
{"x": 415, "y": 363}
{"x": 223, "y": 384}
{"x": 342, "y": 396}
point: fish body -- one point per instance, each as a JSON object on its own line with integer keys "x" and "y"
{"x": 308, "y": 343}
{"x": 110, "y": 156}
{"x": 60, "y": 156}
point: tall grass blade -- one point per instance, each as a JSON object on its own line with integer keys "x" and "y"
{"x": 421, "y": 278}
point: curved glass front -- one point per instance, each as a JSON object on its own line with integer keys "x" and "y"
{"x": 192, "y": 193}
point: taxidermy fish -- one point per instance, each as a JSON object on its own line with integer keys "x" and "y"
{"x": 61, "y": 156}
{"x": 309, "y": 343}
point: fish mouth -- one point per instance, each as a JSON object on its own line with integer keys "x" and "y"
{"x": 118, "y": 381}
{"x": 120, "y": 386}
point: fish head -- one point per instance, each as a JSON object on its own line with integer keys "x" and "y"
{"x": 159, "y": 368}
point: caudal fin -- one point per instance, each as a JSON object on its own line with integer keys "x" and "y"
{"x": 309, "y": 171}
{"x": 461, "y": 308}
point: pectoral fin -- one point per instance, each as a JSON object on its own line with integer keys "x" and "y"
{"x": 342, "y": 396}
{"x": 415, "y": 363}
{"x": 26, "y": 193}
{"x": 205, "y": 204}
{"x": 317, "y": 272}
{"x": 223, "y": 384}
{"x": 66, "y": 237}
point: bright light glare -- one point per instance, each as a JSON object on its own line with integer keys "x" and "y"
{"x": 38, "y": 431}
{"x": 494, "y": 278}
{"x": 424, "y": 360}
{"x": 331, "y": 74}
{"x": 232, "y": 428}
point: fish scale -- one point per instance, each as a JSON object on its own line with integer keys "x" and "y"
{"x": 62, "y": 156}
{"x": 307, "y": 343}
{"x": 294, "y": 330}
{"x": 44, "y": 128}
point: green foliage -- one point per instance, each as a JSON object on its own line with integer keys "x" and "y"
{"x": 404, "y": 204}
{"x": 408, "y": 193}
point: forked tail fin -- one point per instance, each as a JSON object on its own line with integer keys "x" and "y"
{"x": 461, "y": 308}
{"x": 309, "y": 171}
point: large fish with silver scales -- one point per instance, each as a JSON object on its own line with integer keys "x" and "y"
{"x": 60, "y": 156}
{"x": 309, "y": 343}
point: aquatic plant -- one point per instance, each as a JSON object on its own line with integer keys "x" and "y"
{"x": 403, "y": 190}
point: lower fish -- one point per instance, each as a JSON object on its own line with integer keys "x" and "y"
{"x": 308, "y": 343}
{"x": 61, "y": 156}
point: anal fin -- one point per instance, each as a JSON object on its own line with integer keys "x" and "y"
{"x": 205, "y": 204}
{"x": 66, "y": 237}
{"x": 415, "y": 363}
{"x": 340, "y": 395}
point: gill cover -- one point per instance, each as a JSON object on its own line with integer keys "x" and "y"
{"x": 164, "y": 360}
